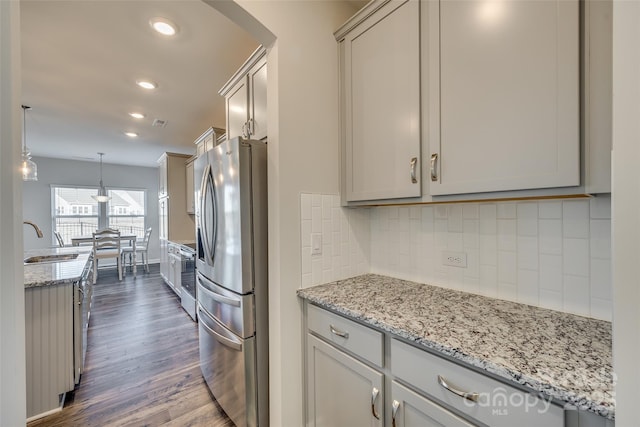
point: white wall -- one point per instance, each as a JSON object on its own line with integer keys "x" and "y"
{"x": 36, "y": 200}
{"x": 626, "y": 209}
{"x": 13, "y": 398}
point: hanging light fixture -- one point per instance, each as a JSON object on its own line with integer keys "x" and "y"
{"x": 28, "y": 167}
{"x": 102, "y": 192}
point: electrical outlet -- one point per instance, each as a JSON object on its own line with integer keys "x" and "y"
{"x": 454, "y": 259}
{"x": 316, "y": 244}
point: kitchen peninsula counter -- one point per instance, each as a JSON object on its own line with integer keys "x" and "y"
{"x": 55, "y": 272}
{"x": 563, "y": 356}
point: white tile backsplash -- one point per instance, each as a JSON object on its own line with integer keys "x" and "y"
{"x": 346, "y": 239}
{"x": 550, "y": 253}
{"x": 575, "y": 219}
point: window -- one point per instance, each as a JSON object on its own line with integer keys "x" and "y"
{"x": 76, "y": 213}
{"x": 127, "y": 211}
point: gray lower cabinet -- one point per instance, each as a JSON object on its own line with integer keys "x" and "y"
{"x": 409, "y": 409}
{"x": 486, "y": 400}
{"x": 342, "y": 391}
{"x": 359, "y": 376}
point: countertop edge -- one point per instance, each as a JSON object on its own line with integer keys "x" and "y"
{"x": 571, "y": 399}
{"x": 40, "y": 275}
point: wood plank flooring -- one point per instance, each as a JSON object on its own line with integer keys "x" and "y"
{"x": 142, "y": 364}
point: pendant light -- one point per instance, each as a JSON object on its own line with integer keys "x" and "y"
{"x": 28, "y": 167}
{"x": 102, "y": 192}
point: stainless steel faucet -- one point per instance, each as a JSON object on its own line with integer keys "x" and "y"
{"x": 38, "y": 231}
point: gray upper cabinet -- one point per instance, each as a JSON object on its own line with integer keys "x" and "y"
{"x": 465, "y": 100}
{"x": 380, "y": 69}
{"x": 246, "y": 98}
{"x": 508, "y": 102}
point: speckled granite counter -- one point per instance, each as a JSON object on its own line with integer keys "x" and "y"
{"x": 564, "y": 356}
{"x": 55, "y": 273}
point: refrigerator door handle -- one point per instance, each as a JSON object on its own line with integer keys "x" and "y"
{"x": 233, "y": 344}
{"x": 218, "y": 297}
{"x": 203, "y": 213}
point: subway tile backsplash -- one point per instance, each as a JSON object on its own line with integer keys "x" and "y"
{"x": 554, "y": 254}
{"x": 343, "y": 236}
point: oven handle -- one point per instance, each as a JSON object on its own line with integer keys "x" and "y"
{"x": 221, "y": 339}
{"x": 218, "y": 297}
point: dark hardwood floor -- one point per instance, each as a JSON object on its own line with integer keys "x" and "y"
{"x": 141, "y": 366}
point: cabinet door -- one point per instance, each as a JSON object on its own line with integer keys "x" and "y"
{"x": 258, "y": 100}
{"x": 191, "y": 207}
{"x": 237, "y": 114}
{"x": 509, "y": 96}
{"x": 164, "y": 259}
{"x": 162, "y": 177}
{"x": 380, "y": 73}
{"x": 163, "y": 220}
{"x": 341, "y": 391}
{"x": 409, "y": 409}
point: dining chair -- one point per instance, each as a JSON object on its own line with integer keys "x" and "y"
{"x": 141, "y": 249}
{"x": 59, "y": 238}
{"x": 106, "y": 244}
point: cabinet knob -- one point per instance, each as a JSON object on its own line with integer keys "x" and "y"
{"x": 434, "y": 167}
{"x": 374, "y": 395}
{"x": 472, "y": 396}
{"x": 394, "y": 411}
{"x": 412, "y": 168}
{"x": 338, "y": 332}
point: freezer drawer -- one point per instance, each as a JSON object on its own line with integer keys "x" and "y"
{"x": 228, "y": 365}
{"x": 236, "y": 312}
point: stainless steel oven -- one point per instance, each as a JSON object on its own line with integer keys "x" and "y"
{"x": 188, "y": 279}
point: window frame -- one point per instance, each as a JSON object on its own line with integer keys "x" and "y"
{"x": 102, "y": 208}
{"x": 107, "y": 206}
{"x": 55, "y": 215}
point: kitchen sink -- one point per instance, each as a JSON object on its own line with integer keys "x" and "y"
{"x": 50, "y": 258}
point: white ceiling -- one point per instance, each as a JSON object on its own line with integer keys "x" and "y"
{"x": 80, "y": 61}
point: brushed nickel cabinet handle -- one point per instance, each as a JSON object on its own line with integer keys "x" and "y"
{"x": 434, "y": 167}
{"x": 413, "y": 163}
{"x": 374, "y": 395}
{"x": 394, "y": 410}
{"x": 473, "y": 396}
{"x": 338, "y": 332}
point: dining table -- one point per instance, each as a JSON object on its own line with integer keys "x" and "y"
{"x": 131, "y": 238}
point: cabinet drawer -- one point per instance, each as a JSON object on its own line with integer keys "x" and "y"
{"x": 497, "y": 405}
{"x": 358, "y": 339}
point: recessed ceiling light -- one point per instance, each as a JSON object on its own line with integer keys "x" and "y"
{"x": 131, "y": 134}
{"x": 137, "y": 115}
{"x": 164, "y": 26}
{"x": 146, "y": 84}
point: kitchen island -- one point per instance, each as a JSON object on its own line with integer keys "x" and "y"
{"x": 50, "y": 273}
{"x": 561, "y": 357}
{"x": 57, "y": 301}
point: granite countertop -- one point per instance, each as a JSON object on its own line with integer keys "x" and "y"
{"x": 564, "y": 356}
{"x": 55, "y": 273}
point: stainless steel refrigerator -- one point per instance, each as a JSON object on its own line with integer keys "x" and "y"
{"x": 231, "y": 278}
